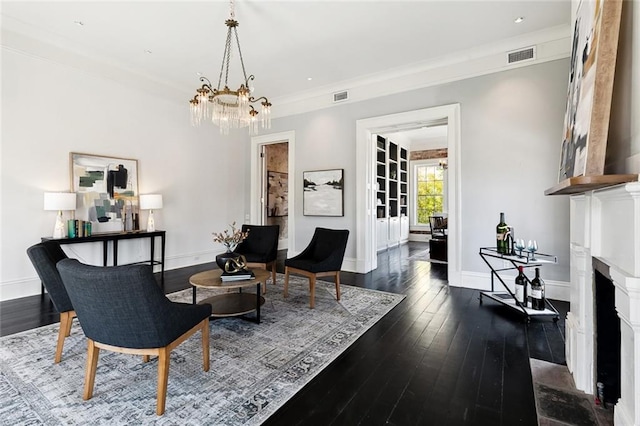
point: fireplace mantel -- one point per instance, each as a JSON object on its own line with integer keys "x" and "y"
{"x": 582, "y": 184}
{"x": 605, "y": 224}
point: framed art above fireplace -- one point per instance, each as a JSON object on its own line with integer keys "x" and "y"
{"x": 592, "y": 69}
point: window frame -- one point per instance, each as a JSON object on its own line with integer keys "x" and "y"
{"x": 413, "y": 188}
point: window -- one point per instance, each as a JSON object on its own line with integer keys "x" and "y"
{"x": 429, "y": 191}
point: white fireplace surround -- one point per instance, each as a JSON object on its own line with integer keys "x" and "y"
{"x": 605, "y": 224}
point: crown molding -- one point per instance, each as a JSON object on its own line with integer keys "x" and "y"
{"x": 551, "y": 44}
{"x": 117, "y": 72}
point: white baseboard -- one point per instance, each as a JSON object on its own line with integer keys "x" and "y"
{"x": 16, "y": 289}
{"x": 557, "y": 290}
{"x": 350, "y": 264}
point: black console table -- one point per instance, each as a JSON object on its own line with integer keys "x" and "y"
{"x": 114, "y": 237}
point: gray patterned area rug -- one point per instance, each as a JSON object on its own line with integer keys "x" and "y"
{"x": 255, "y": 368}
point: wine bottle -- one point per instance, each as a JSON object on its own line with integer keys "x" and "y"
{"x": 521, "y": 287}
{"x": 501, "y": 234}
{"x": 537, "y": 292}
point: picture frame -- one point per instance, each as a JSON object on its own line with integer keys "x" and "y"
{"x": 277, "y": 194}
{"x": 590, "y": 89}
{"x": 103, "y": 186}
{"x": 323, "y": 193}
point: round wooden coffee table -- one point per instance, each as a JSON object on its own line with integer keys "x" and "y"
{"x": 232, "y": 303}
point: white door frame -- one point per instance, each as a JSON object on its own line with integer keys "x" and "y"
{"x": 256, "y": 208}
{"x": 365, "y": 201}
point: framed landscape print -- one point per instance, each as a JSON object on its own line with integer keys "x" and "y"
{"x": 593, "y": 63}
{"x": 277, "y": 194}
{"x": 103, "y": 185}
{"x": 323, "y": 193}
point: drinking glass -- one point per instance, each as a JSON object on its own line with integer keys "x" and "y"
{"x": 532, "y": 246}
{"x": 520, "y": 246}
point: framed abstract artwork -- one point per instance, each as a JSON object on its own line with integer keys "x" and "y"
{"x": 593, "y": 63}
{"x": 323, "y": 193}
{"x": 277, "y": 194}
{"x": 104, "y": 185}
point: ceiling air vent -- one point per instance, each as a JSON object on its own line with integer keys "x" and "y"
{"x": 526, "y": 54}
{"x": 340, "y": 96}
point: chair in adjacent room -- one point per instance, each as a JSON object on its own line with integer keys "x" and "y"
{"x": 44, "y": 257}
{"x": 322, "y": 257}
{"x": 260, "y": 248}
{"x": 438, "y": 242}
{"x": 122, "y": 309}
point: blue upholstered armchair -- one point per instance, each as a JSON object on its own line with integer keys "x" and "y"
{"x": 44, "y": 257}
{"x": 122, "y": 309}
{"x": 260, "y": 248}
{"x": 322, "y": 257}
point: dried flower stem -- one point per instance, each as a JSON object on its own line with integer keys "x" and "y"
{"x": 230, "y": 238}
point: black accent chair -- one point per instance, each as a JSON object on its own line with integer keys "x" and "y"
{"x": 44, "y": 257}
{"x": 122, "y": 309}
{"x": 323, "y": 257}
{"x": 260, "y": 248}
{"x": 438, "y": 242}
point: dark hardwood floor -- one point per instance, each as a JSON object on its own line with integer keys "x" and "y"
{"x": 438, "y": 358}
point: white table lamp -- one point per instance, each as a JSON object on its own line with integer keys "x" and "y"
{"x": 150, "y": 202}
{"x": 59, "y": 201}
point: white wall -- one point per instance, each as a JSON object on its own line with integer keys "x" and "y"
{"x": 49, "y": 110}
{"x": 511, "y": 136}
{"x": 511, "y": 125}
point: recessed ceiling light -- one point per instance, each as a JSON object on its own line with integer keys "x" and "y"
{"x": 309, "y": 78}
{"x": 148, "y": 51}
{"x": 519, "y": 19}
{"x": 198, "y": 73}
{"x": 79, "y": 23}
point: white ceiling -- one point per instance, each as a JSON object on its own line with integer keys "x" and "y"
{"x": 283, "y": 42}
{"x": 426, "y": 136}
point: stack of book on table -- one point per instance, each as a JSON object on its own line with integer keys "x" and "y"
{"x": 245, "y": 274}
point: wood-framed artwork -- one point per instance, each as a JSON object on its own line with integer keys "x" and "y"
{"x": 103, "y": 185}
{"x": 593, "y": 63}
{"x": 323, "y": 193}
{"x": 277, "y": 194}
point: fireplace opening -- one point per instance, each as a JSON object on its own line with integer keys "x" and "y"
{"x": 607, "y": 326}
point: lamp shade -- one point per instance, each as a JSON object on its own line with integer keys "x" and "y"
{"x": 150, "y": 201}
{"x": 59, "y": 201}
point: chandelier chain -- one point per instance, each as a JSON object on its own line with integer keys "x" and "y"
{"x": 244, "y": 73}
{"x": 226, "y": 57}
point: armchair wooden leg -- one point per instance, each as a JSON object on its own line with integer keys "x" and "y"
{"x": 146, "y": 358}
{"x": 286, "y": 281}
{"x": 205, "y": 344}
{"x": 66, "y": 319}
{"x": 312, "y": 290}
{"x": 90, "y": 373}
{"x": 273, "y": 273}
{"x": 163, "y": 379}
{"x": 338, "y": 285}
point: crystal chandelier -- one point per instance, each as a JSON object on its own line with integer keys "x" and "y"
{"x": 229, "y": 109}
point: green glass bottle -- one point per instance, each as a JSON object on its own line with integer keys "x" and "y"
{"x": 501, "y": 234}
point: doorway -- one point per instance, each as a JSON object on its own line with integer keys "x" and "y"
{"x": 272, "y": 184}
{"x": 275, "y": 188}
{"x": 448, "y": 115}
